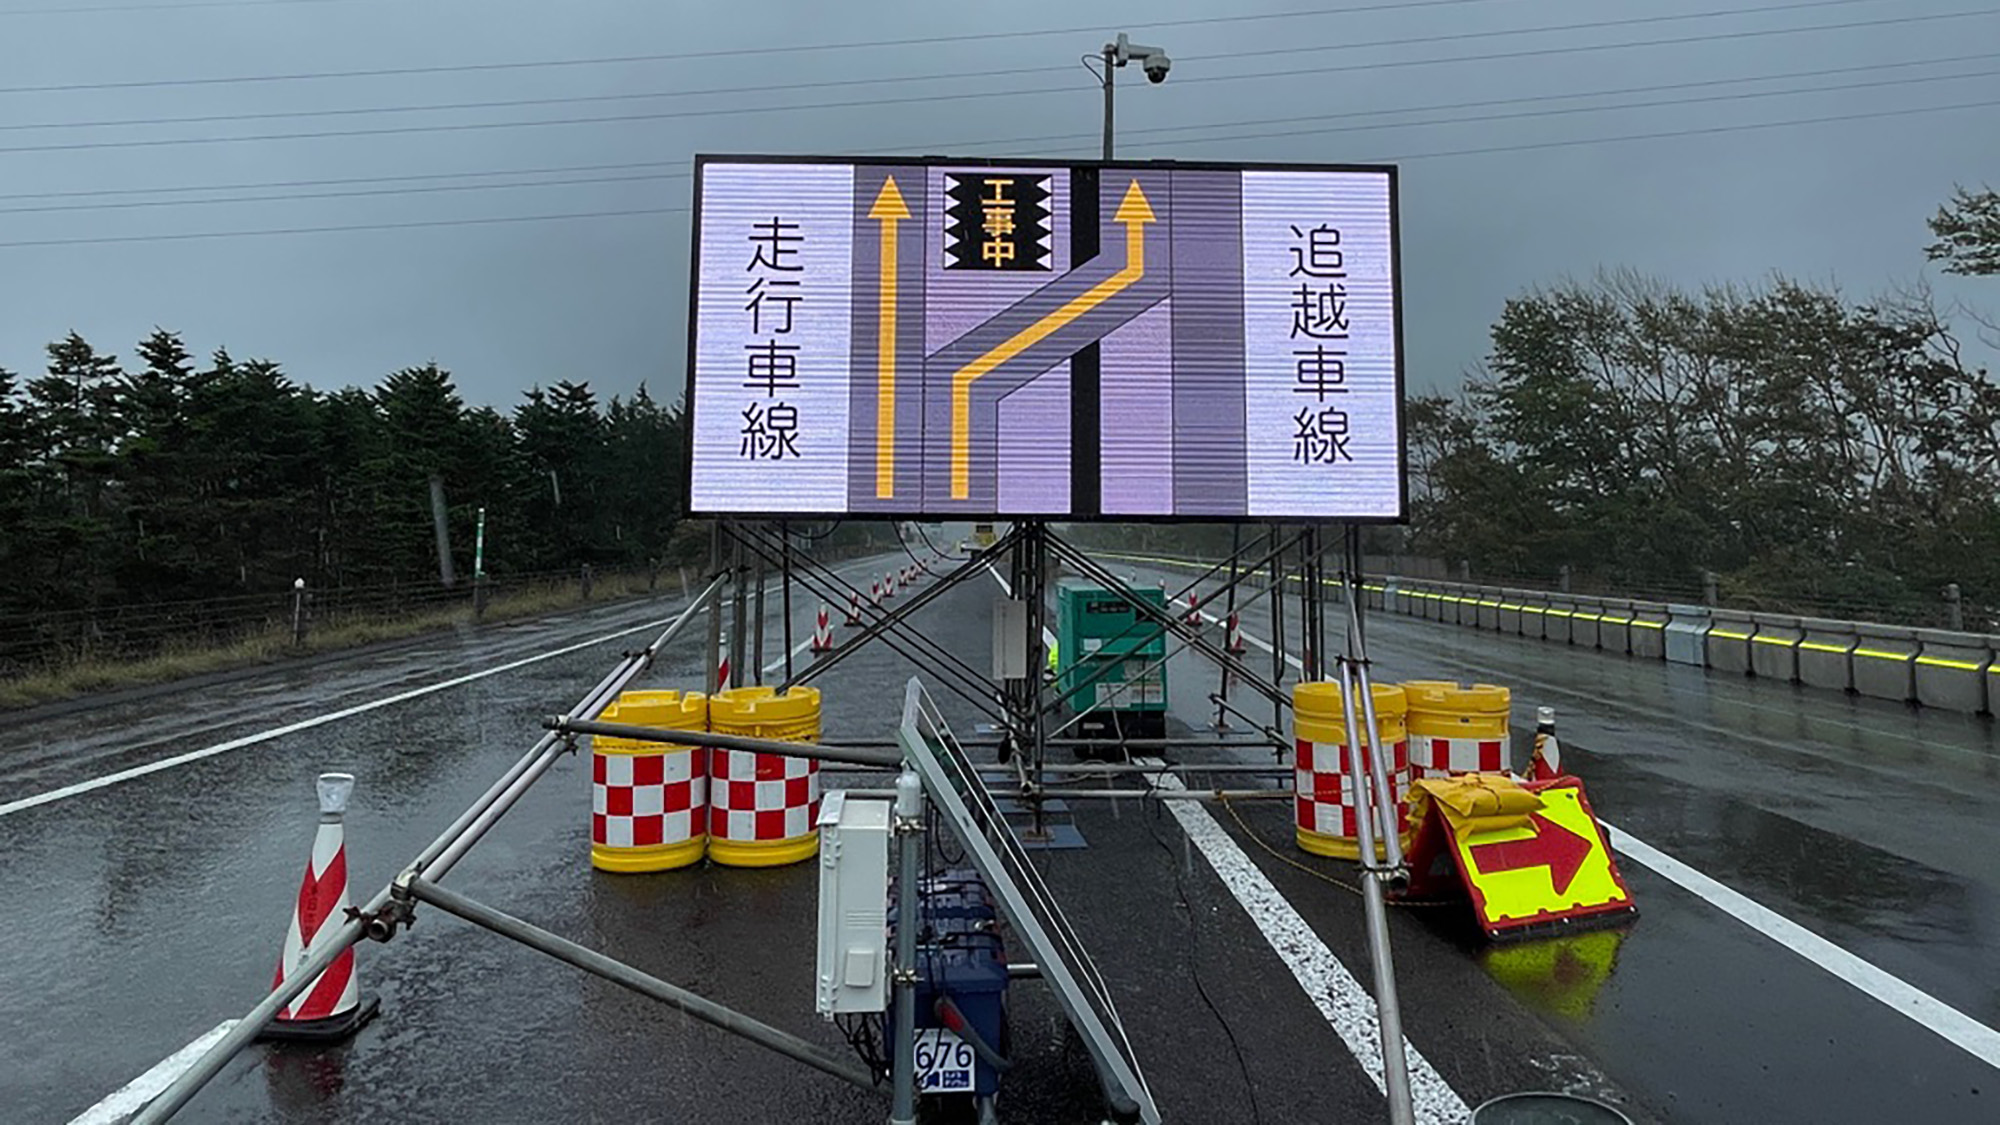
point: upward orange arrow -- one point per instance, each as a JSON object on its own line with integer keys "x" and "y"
{"x": 889, "y": 209}
{"x": 1134, "y": 212}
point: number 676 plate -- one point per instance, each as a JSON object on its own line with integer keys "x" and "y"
{"x": 944, "y": 1062}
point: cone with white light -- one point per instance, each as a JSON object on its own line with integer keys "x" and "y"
{"x": 1546, "y": 762}
{"x": 331, "y": 1006}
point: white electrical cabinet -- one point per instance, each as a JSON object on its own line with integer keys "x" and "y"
{"x": 853, "y": 966}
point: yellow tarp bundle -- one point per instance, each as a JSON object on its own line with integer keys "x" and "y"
{"x": 1476, "y": 802}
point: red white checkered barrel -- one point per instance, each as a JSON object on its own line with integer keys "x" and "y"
{"x": 1457, "y": 728}
{"x": 1327, "y": 806}
{"x": 649, "y": 800}
{"x": 762, "y": 807}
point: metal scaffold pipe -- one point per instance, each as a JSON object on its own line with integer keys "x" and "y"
{"x": 850, "y": 755}
{"x": 619, "y": 973}
{"x": 329, "y": 943}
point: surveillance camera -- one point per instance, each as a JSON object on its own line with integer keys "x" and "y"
{"x": 1157, "y": 67}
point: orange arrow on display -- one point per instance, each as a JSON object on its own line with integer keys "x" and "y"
{"x": 889, "y": 209}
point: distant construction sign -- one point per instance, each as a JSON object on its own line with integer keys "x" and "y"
{"x": 965, "y": 338}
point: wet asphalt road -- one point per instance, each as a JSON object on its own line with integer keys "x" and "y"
{"x": 141, "y": 914}
{"x": 1872, "y": 824}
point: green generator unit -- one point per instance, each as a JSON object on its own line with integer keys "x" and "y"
{"x": 1109, "y": 661}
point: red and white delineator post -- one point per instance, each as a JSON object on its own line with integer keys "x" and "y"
{"x": 1545, "y": 764}
{"x": 853, "y": 609}
{"x": 722, "y": 672}
{"x": 822, "y": 633}
{"x": 331, "y": 1006}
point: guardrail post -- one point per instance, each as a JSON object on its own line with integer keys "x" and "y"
{"x": 1954, "y": 608}
{"x": 1710, "y": 588}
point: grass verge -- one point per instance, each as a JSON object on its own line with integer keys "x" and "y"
{"x": 75, "y": 678}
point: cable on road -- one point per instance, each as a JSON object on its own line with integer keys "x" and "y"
{"x": 1179, "y": 864}
{"x": 1322, "y": 876}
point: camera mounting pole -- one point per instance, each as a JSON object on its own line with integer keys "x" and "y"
{"x": 1153, "y": 60}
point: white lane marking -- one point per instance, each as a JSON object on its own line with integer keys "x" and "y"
{"x": 1347, "y": 1006}
{"x": 1954, "y": 1026}
{"x": 109, "y": 779}
{"x": 1957, "y": 1028}
{"x": 95, "y": 783}
{"x": 134, "y": 1095}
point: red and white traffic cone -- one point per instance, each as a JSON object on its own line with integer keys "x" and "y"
{"x": 331, "y": 1006}
{"x": 1194, "y": 609}
{"x": 822, "y": 633}
{"x": 875, "y": 591}
{"x": 889, "y": 585}
{"x": 1234, "y": 642}
{"x": 1546, "y": 762}
{"x": 853, "y": 610}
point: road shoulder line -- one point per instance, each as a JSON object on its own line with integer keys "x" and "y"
{"x": 133, "y": 1096}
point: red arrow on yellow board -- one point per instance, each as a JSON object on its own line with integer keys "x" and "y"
{"x": 889, "y": 210}
{"x": 1134, "y": 212}
{"x": 1552, "y": 846}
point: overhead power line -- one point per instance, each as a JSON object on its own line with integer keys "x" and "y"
{"x": 628, "y": 118}
{"x": 654, "y": 171}
{"x": 957, "y": 76}
{"x": 922, "y": 41}
{"x": 1484, "y": 103}
{"x": 92, "y": 9}
{"x": 650, "y": 211}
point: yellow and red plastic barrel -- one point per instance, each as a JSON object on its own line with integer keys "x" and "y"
{"x": 1327, "y": 804}
{"x": 1457, "y": 728}
{"x": 762, "y": 806}
{"x": 649, "y": 800}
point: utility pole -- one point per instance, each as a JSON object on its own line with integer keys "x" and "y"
{"x": 1153, "y": 60}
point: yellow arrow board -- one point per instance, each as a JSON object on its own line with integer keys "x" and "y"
{"x": 1134, "y": 212}
{"x": 1558, "y": 866}
{"x": 889, "y": 209}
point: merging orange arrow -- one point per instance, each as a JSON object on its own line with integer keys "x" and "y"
{"x": 889, "y": 209}
{"x": 1135, "y": 213}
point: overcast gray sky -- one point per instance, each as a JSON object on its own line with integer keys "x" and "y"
{"x": 1497, "y": 195}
